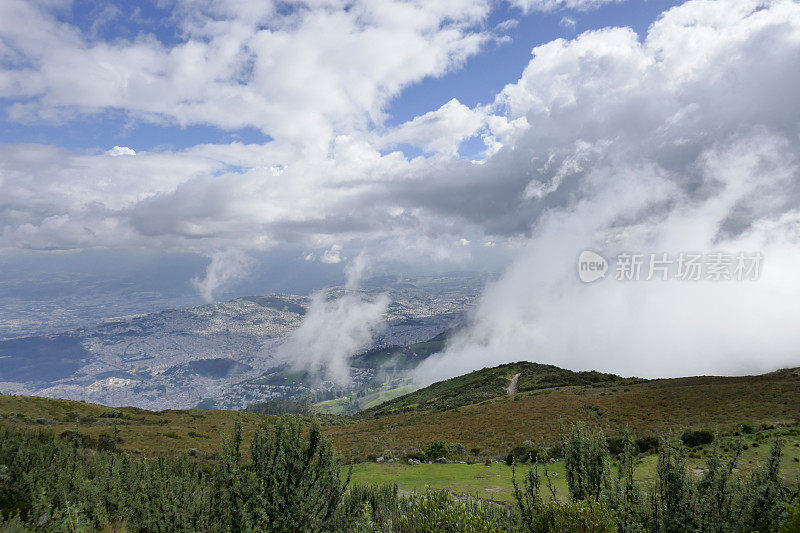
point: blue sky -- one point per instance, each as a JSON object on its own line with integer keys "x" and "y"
{"x": 485, "y": 74}
{"x": 476, "y": 82}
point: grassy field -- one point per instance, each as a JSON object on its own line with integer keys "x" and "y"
{"x": 370, "y": 399}
{"x": 489, "y": 429}
{"x": 486, "y": 430}
{"x": 494, "y": 482}
{"x": 486, "y": 482}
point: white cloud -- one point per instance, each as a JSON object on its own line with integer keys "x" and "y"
{"x": 332, "y": 332}
{"x": 333, "y": 255}
{"x": 507, "y": 25}
{"x": 302, "y": 76}
{"x": 686, "y": 142}
{"x": 225, "y": 267}
{"x": 554, "y": 5}
{"x": 440, "y": 131}
{"x": 121, "y": 150}
{"x": 568, "y": 22}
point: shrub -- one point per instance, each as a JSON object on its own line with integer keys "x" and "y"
{"x": 582, "y": 515}
{"x": 697, "y": 438}
{"x": 647, "y": 444}
{"x": 539, "y": 516}
{"x": 367, "y": 507}
{"x": 527, "y": 452}
{"x": 440, "y": 512}
{"x": 585, "y": 460}
{"x": 615, "y": 445}
{"x": 437, "y": 449}
{"x": 745, "y": 428}
{"x": 674, "y": 490}
{"x": 792, "y": 523}
{"x": 292, "y": 482}
{"x": 417, "y": 455}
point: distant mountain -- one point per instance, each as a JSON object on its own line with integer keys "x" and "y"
{"x": 223, "y": 354}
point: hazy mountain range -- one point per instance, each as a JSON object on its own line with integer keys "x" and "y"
{"x": 225, "y": 354}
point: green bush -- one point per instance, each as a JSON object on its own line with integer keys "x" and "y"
{"x": 540, "y": 516}
{"x": 436, "y": 450}
{"x": 647, "y": 444}
{"x": 580, "y": 516}
{"x": 291, "y": 481}
{"x": 585, "y": 460}
{"x": 527, "y": 452}
{"x": 697, "y": 438}
{"x": 439, "y": 449}
{"x": 440, "y": 512}
{"x": 792, "y": 523}
{"x": 745, "y": 428}
{"x": 615, "y": 445}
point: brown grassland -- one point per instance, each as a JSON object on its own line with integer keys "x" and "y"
{"x": 494, "y": 426}
{"x": 651, "y": 407}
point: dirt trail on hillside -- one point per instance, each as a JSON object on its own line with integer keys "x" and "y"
{"x": 512, "y": 387}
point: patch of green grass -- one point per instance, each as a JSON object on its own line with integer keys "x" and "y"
{"x": 372, "y": 398}
{"x": 486, "y": 482}
{"x": 494, "y": 482}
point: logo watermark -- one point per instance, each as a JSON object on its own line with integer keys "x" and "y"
{"x": 683, "y": 266}
{"x": 591, "y": 266}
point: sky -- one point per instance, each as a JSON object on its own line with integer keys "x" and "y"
{"x": 240, "y": 142}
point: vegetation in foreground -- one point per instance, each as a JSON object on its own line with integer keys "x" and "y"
{"x": 291, "y": 480}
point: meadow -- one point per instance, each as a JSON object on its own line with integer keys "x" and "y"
{"x": 494, "y": 482}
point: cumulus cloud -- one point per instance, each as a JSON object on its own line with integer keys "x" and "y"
{"x": 121, "y": 150}
{"x": 262, "y": 66}
{"x": 440, "y": 131}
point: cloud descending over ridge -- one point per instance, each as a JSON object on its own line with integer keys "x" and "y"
{"x": 687, "y": 141}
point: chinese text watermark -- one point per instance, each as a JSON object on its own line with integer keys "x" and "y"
{"x": 683, "y": 266}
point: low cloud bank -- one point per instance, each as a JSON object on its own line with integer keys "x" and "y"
{"x": 686, "y": 142}
{"x": 540, "y": 310}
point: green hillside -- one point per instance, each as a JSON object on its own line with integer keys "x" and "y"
{"x": 490, "y": 383}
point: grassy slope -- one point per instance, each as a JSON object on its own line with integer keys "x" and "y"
{"x": 494, "y": 425}
{"x": 145, "y": 431}
{"x": 489, "y": 383}
{"x": 655, "y": 406}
